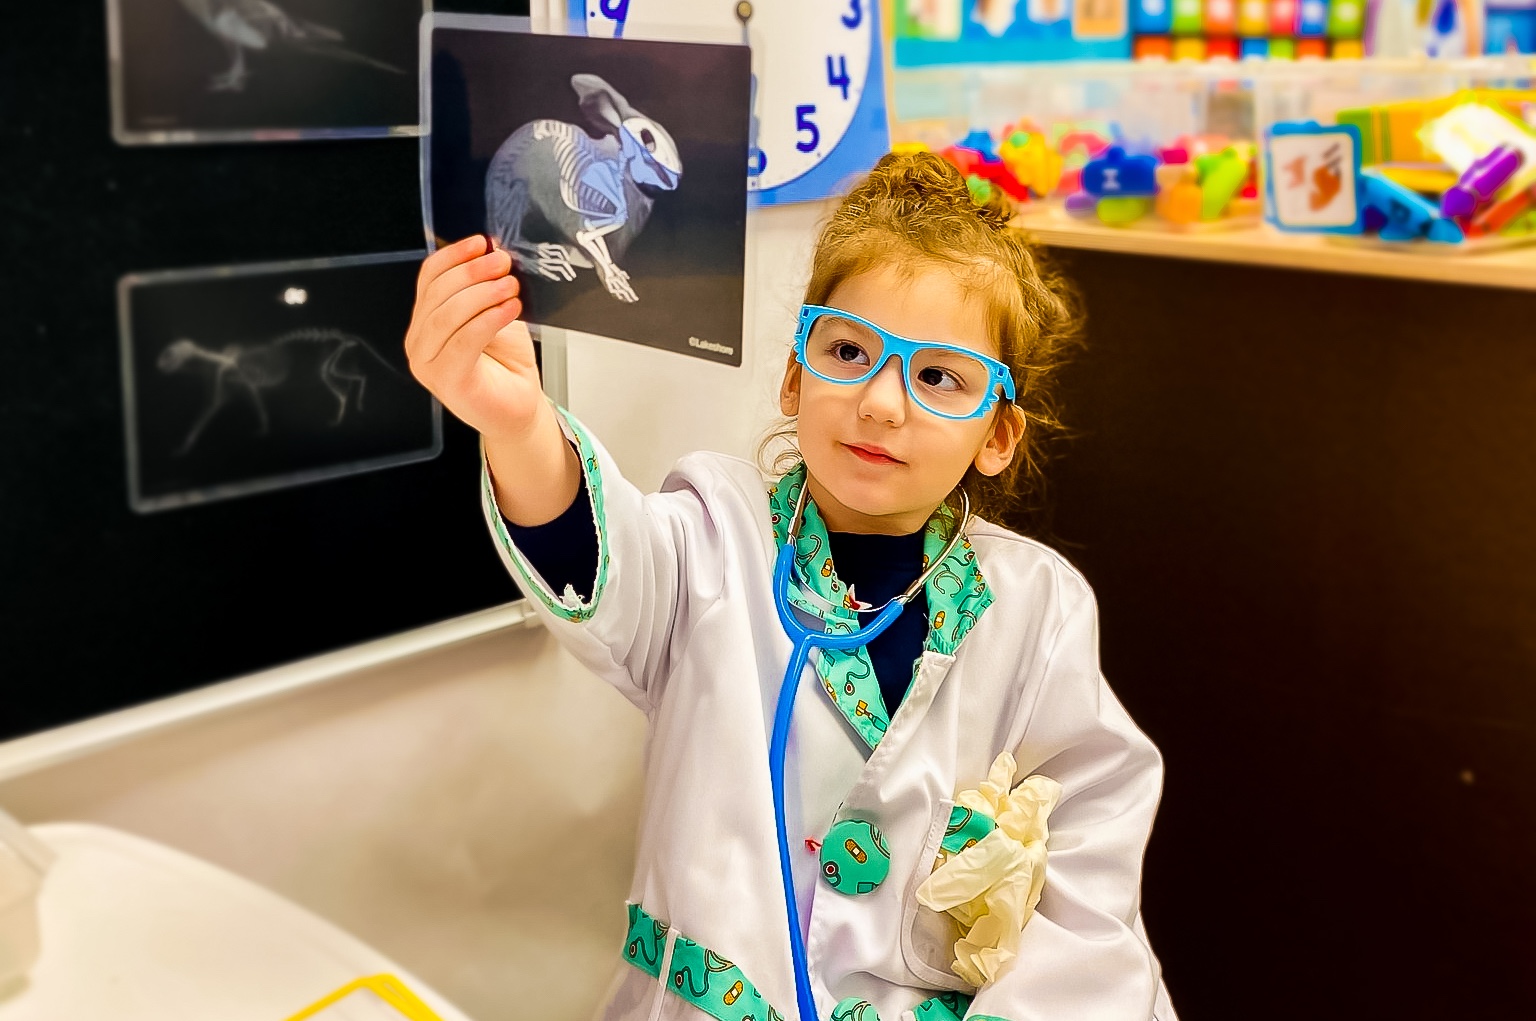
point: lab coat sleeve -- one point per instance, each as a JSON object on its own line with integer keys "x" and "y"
{"x": 1083, "y": 954}
{"x": 658, "y": 560}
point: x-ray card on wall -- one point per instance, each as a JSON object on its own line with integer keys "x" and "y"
{"x": 245, "y": 379}
{"x": 187, "y": 71}
{"x": 610, "y": 169}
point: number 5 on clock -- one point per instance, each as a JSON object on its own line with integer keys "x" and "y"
{"x": 804, "y": 123}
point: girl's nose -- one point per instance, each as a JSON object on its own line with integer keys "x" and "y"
{"x": 885, "y": 395}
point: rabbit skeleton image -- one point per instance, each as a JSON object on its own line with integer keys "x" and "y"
{"x": 591, "y": 194}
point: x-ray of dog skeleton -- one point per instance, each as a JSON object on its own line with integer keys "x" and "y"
{"x": 594, "y": 194}
{"x": 257, "y": 367}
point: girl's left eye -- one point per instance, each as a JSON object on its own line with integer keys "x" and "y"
{"x": 940, "y": 379}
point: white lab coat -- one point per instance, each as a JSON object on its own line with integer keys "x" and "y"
{"x": 685, "y": 627}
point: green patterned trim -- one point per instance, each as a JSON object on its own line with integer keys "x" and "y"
{"x": 569, "y": 605}
{"x": 943, "y": 1007}
{"x": 851, "y": 1008}
{"x": 966, "y": 827}
{"x": 719, "y": 989}
{"x": 957, "y": 596}
{"x": 697, "y": 974}
{"x": 645, "y": 942}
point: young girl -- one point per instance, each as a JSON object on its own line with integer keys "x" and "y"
{"x": 965, "y": 803}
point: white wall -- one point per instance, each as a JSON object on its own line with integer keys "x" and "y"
{"x": 469, "y": 811}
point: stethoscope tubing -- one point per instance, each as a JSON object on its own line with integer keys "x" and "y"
{"x": 804, "y": 640}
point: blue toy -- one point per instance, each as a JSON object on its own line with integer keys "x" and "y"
{"x": 1403, "y": 215}
{"x": 1116, "y": 174}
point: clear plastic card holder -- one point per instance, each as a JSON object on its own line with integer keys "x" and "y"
{"x": 613, "y": 171}
{"x": 190, "y": 73}
{"x": 248, "y": 378}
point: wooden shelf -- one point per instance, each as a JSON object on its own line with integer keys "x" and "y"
{"x": 1260, "y": 245}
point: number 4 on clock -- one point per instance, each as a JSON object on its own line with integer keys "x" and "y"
{"x": 838, "y": 77}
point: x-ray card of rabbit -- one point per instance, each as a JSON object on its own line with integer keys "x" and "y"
{"x": 263, "y": 70}
{"x": 243, "y": 379}
{"x": 612, "y": 170}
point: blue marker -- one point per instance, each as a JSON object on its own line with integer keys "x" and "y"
{"x": 1404, "y": 214}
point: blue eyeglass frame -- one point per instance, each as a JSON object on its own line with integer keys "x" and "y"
{"x": 902, "y": 349}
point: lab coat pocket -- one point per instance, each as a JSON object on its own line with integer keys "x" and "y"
{"x": 928, "y": 936}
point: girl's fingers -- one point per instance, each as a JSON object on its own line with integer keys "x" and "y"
{"x": 457, "y": 359}
{"x": 447, "y": 257}
{"x": 450, "y": 323}
{"x": 494, "y": 265}
{"x": 431, "y": 328}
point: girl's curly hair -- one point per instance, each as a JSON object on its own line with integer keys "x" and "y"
{"x": 914, "y": 209}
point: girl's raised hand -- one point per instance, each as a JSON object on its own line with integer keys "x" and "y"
{"x": 466, "y": 343}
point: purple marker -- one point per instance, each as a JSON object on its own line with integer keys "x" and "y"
{"x": 1485, "y": 176}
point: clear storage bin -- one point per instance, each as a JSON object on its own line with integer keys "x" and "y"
{"x": 24, "y": 861}
{"x": 1417, "y": 127}
{"x": 1144, "y": 145}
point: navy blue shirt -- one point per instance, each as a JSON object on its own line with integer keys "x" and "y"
{"x": 879, "y": 567}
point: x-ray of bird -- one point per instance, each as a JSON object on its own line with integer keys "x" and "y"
{"x": 594, "y": 192}
{"x": 262, "y": 25}
{"x": 263, "y": 70}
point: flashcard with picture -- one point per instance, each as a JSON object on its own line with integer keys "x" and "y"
{"x": 1313, "y": 172}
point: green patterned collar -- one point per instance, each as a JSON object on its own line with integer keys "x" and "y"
{"x": 957, "y": 596}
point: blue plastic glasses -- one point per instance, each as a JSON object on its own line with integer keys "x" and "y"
{"x": 943, "y": 379}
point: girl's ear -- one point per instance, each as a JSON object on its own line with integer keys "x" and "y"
{"x": 1002, "y": 442}
{"x": 789, "y": 390}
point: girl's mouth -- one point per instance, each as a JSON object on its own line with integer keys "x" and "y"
{"x": 871, "y": 456}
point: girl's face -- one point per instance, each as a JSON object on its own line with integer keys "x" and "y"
{"x": 877, "y": 462}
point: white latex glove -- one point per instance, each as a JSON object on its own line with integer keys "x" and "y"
{"x": 992, "y": 887}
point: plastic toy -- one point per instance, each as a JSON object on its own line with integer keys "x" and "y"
{"x": 1503, "y": 215}
{"x": 1117, "y": 174}
{"x": 1403, "y": 215}
{"x": 1119, "y": 210}
{"x": 1032, "y": 161}
{"x": 1181, "y": 200}
{"x": 976, "y": 158}
{"x": 1424, "y": 178}
{"x": 1482, "y": 179}
{"x": 1221, "y": 178}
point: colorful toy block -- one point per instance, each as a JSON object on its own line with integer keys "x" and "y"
{"x": 1117, "y": 173}
{"x": 1252, "y": 18}
{"x": 1152, "y": 47}
{"x": 1220, "y": 17}
{"x": 1152, "y": 17}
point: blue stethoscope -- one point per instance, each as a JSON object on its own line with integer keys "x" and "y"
{"x": 805, "y": 639}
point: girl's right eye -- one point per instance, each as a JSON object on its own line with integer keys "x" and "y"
{"x": 847, "y": 352}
